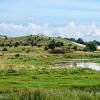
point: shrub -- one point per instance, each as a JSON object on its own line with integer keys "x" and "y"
{"x": 8, "y": 45}
{"x": 39, "y": 45}
{"x": 69, "y": 45}
{"x": 16, "y": 44}
{"x": 2, "y": 44}
{"x": 59, "y": 50}
{"x": 28, "y": 51}
{"x": 75, "y": 48}
{"x": 33, "y": 44}
{"x": 4, "y": 49}
{"x": 46, "y": 48}
{"x": 52, "y": 45}
{"x": 85, "y": 49}
{"x": 17, "y": 55}
{"x": 24, "y": 44}
{"x": 59, "y": 44}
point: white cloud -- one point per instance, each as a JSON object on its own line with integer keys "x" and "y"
{"x": 71, "y": 30}
{"x": 72, "y": 24}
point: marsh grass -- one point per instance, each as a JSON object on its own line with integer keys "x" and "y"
{"x": 50, "y": 94}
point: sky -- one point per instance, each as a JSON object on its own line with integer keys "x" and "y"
{"x": 65, "y": 18}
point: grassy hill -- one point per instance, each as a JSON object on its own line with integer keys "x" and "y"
{"x": 37, "y": 40}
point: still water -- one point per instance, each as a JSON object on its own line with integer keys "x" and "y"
{"x": 91, "y": 65}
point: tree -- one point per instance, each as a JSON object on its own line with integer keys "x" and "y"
{"x": 91, "y": 46}
{"x": 80, "y": 41}
{"x": 72, "y": 39}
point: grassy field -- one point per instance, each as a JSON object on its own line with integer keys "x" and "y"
{"x": 49, "y": 83}
{"x": 29, "y": 73}
{"x": 37, "y": 55}
{"x": 48, "y": 77}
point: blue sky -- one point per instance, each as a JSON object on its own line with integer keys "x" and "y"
{"x": 54, "y": 12}
{"x": 51, "y": 14}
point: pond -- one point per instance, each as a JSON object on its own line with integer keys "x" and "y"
{"x": 91, "y": 65}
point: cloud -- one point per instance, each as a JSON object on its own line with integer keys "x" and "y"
{"x": 71, "y": 30}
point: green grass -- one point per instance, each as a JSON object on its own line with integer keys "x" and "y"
{"x": 37, "y": 56}
{"x": 33, "y": 75}
{"x": 39, "y": 71}
{"x": 49, "y": 83}
{"x": 49, "y": 77}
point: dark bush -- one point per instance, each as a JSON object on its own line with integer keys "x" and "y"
{"x": 8, "y": 45}
{"x": 28, "y": 51}
{"x": 33, "y": 44}
{"x": 4, "y": 49}
{"x": 16, "y": 44}
{"x": 2, "y": 44}
{"x": 59, "y": 44}
{"x": 75, "y": 48}
{"x": 25, "y": 44}
{"x": 39, "y": 45}
{"x": 17, "y": 55}
{"x": 46, "y": 48}
{"x": 52, "y": 45}
{"x": 59, "y": 50}
{"x": 80, "y": 41}
{"x": 69, "y": 45}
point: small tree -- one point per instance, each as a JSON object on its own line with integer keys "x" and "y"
{"x": 91, "y": 46}
{"x": 80, "y": 41}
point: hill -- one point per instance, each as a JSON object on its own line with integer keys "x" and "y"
{"x": 36, "y": 40}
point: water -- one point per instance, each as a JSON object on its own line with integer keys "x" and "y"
{"x": 91, "y": 65}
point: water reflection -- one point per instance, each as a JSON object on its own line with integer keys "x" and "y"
{"x": 92, "y": 65}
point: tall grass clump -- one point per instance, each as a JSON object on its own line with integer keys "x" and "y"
{"x": 36, "y": 94}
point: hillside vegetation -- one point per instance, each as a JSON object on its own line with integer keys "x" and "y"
{"x": 35, "y": 40}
